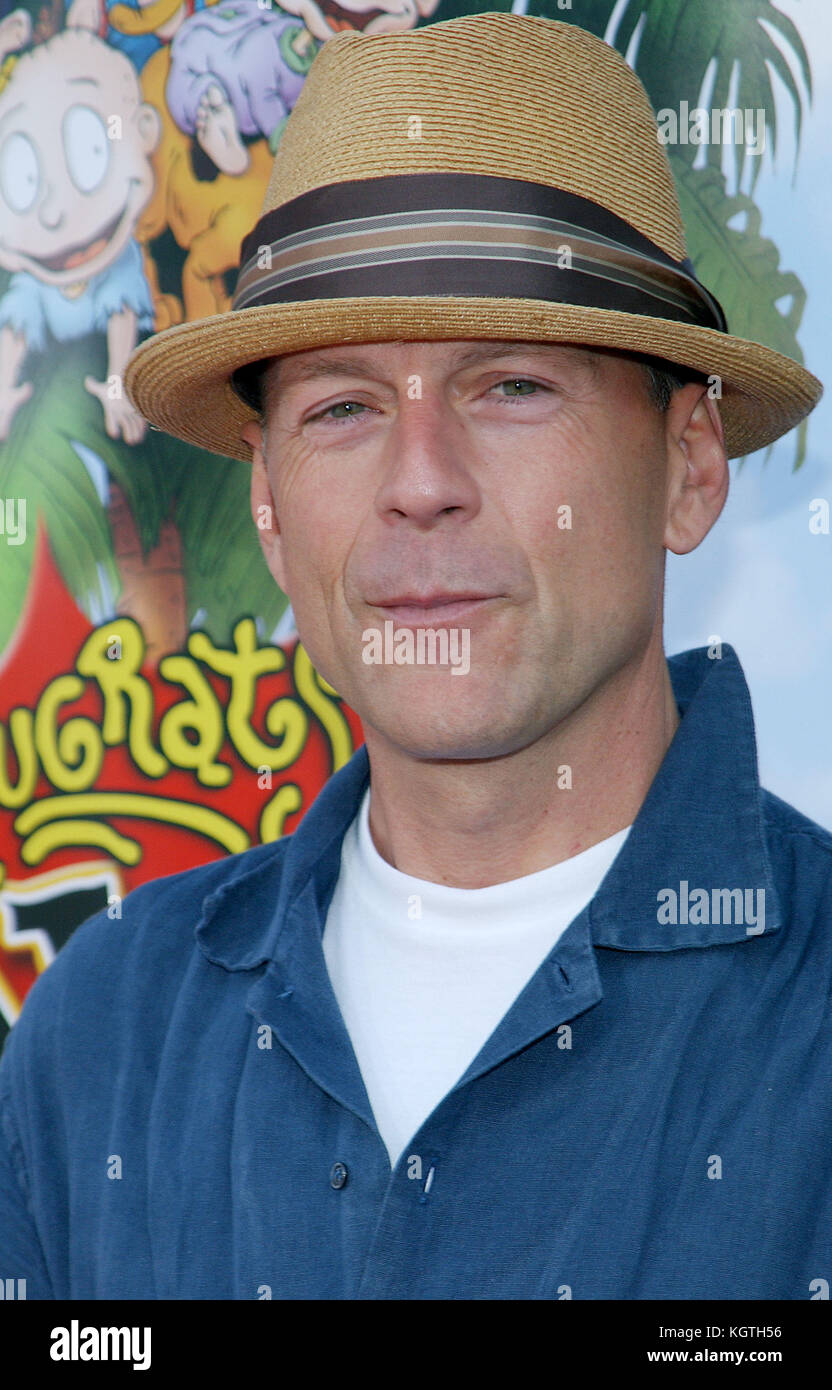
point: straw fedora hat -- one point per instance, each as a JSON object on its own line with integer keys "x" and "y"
{"x": 491, "y": 176}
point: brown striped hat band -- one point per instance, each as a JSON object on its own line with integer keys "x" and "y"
{"x": 464, "y": 234}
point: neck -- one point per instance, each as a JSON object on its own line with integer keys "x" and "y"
{"x": 474, "y": 824}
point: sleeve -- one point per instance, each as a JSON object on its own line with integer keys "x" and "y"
{"x": 21, "y": 1253}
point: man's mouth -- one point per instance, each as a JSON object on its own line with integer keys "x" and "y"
{"x": 79, "y": 255}
{"x": 433, "y": 609}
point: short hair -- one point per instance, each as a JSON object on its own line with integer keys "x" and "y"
{"x": 663, "y": 378}
{"x": 247, "y": 383}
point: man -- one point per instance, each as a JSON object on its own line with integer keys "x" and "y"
{"x": 532, "y": 1004}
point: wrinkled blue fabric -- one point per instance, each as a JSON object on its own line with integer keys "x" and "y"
{"x": 650, "y": 1119}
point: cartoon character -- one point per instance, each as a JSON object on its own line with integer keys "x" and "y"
{"x": 211, "y": 168}
{"x": 138, "y": 28}
{"x": 208, "y": 212}
{"x": 75, "y": 174}
{"x": 370, "y": 16}
{"x": 236, "y": 69}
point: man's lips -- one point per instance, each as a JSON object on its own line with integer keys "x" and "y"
{"x": 433, "y": 609}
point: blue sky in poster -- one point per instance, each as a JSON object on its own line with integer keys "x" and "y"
{"x": 761, "y": 580}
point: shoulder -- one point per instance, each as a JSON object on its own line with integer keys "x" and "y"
{"x": 800, "y": 855}
{"x": 188, "y": 890}
{"x": 790, "y": 831}
{"x": 132, "y": 957}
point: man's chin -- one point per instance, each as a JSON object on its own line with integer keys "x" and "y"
{"x": 441, "y": 730}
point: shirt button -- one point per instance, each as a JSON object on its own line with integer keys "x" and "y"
{"x": 338, "y": 1175}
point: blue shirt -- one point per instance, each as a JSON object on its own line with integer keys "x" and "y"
{"x": 183, "y": 1115}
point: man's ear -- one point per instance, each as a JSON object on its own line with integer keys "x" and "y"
{"x": 263, "y": 509}
{"x": 698, "y": 476}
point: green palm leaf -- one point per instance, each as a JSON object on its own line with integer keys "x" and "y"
{"x": 740, "y": 266}
{"x": 679, "y": 41}
{"x": 225, "y": 572}
{"x": 38, "y": 462}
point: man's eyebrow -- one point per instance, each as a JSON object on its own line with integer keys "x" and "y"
{"x": 485, "y": 352}
{"x": 315, "y": 367}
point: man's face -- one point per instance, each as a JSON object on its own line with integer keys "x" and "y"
{"x": 514, "y": 491}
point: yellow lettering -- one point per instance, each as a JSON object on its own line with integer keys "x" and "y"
{"x": 202, "y": 819}
{"x": 284, "y": 803}
{"x": 285, "y": 719}
{"x": 121, "y": 686}
{"x": 22, "y": 740}
{"x": 203, "y": 714}
{"x": 70, "y": 756}
{"x": 323, "y": 701}
{"x": 78, "y": 833}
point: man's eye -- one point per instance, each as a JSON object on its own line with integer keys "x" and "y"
{"x": 351, "y": 409}
{"x": 518, "y": 381}
{"x": 350, "y": 406}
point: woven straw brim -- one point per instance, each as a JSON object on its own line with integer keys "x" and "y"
{"x": 179, "y": 379}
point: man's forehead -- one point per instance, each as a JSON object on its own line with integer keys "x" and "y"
{"x": 330, "y": 361}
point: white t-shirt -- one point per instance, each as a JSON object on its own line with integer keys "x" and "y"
{"x": 423, "y": 973}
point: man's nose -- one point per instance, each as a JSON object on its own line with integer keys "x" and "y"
{"x": 50, "y": 213}
{"x": 426, "y": 466}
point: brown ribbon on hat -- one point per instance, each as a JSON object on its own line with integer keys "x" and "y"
{"x": 464, "y": 234}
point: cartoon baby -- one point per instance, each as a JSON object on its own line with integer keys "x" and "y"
{"x": 75, "y": 174}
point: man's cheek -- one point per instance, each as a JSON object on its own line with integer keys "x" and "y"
{"x": 301, "y": 582}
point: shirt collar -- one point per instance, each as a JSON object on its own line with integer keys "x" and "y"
{"x": 700, "y": 827}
